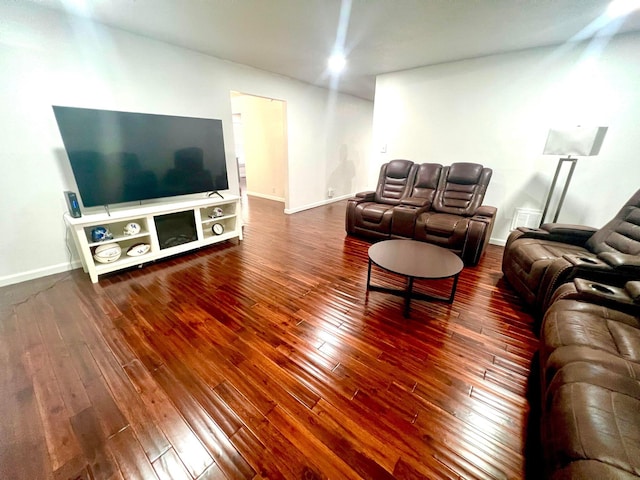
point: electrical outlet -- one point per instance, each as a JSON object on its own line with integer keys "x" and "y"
{"x": 330, "y": 192}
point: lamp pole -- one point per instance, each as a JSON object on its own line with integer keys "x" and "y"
{"x": 573, "y": 161}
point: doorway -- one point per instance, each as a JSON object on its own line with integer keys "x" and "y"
{"x": 260, "y": 139}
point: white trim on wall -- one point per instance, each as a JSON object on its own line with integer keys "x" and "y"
{"x": 319, "y": 204}
{"x": 267, "y": 196}
{"x": 39, "y": 272}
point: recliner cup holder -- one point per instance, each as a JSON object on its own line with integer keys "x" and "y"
{"x": 601, "y": 288}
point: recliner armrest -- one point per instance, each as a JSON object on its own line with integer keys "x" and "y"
{"x": 633, "y": 289}
{"x": 528, "y": 232}
{"x": 586, "y": 266}
{"x": 478, "y": 234}
{"x": 366, "y": 196}
{"x": 568, "y": 229}
{"x": 621, "y": 261}
{"x": 586, "y": 261}
{"x": 618, "y": 298}
{"x": 567, "y": 232}
{"x": 485, "y": 212}
{"x": 559, "y": 232}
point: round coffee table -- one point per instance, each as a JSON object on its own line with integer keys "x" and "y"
{"x": 414, "y": 259}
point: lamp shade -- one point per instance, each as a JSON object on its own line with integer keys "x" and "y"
{"x": 582, "y": 141}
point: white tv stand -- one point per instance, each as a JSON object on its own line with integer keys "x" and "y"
{"x": 145, "y": 216}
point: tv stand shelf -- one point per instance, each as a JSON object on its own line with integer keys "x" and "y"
{"x": 168, "y": 228}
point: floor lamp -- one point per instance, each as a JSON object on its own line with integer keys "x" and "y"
{"x": 580, "y": 141}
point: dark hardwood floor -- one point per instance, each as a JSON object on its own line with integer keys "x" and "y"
{"x": 264, "y": 359}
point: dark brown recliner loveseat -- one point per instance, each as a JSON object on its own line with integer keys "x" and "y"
{"x": 427, "y": 202}
{"x": 537, "y": 261}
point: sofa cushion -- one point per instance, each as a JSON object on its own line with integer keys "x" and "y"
{"x": 587, "y": 421}
{"x": 593, "y": 374}
{"x": 591, "y": 470}
{"x": 571, "y": 322}
{"x": 576, "y": 331}
{"x": 561, "y": 357}
{"x": 442, "y": 229}
{"x": 372, "y": 212}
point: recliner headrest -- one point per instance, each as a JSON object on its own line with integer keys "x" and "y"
{"x": 428, "y": 175}
{"x": 622, "y": 233}
{"x": 464, "y": 173}
{"x": 399, "y": 168}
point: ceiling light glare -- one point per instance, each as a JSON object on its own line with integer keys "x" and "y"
{"x": 620, "y": 8}
{"x": 337, "y": 62}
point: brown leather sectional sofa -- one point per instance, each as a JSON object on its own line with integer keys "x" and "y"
{"x": 585, "y": 285}
{"x": 590, "y": 382}
{"x": 428, "y": 202}
{"x": 537, "y": 261}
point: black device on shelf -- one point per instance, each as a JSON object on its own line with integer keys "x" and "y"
{"x": 175, "y": 229}
{"x": 119, "y": 157}
{"x": 72, "y": 204}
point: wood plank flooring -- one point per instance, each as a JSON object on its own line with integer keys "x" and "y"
{"x": 265, "y": 359}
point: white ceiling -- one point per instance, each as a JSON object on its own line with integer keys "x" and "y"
{"x": 295, "y": 37}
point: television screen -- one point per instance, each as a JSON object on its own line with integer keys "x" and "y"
{"x": 119, "y": 157}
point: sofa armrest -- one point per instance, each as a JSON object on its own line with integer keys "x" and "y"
{"x": 568, "y": 233}
{"x": 621, "y": 261}
{"x": 568, "y": 229}
{"x": 366, "y": 196}
{"x": 588, "y": 267}
{"x": 617, "y": 298}
{"x": 559, "y": 232}
{"x": 352, "y": 204}
{"x": 622, "y": 298}
{"x": 478, "y": 234}
{"x": 586, "y": 261}
{"x": 485, "y": 211}
{"x": 633, "y": 289}
{"x": 602, "y": 294}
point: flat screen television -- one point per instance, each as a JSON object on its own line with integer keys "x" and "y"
{"x": 119, "y": 157}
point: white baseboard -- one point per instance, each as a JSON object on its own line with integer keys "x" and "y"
{"x": 318, "y": 204}
{"x": 38, "y": 273}
{"x": 498, "y": 241}
{"x": 264, "y": 195}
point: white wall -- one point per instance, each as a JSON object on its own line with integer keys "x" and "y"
{"x": 497, "y": 111}
{"x": 48, "y": 59}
